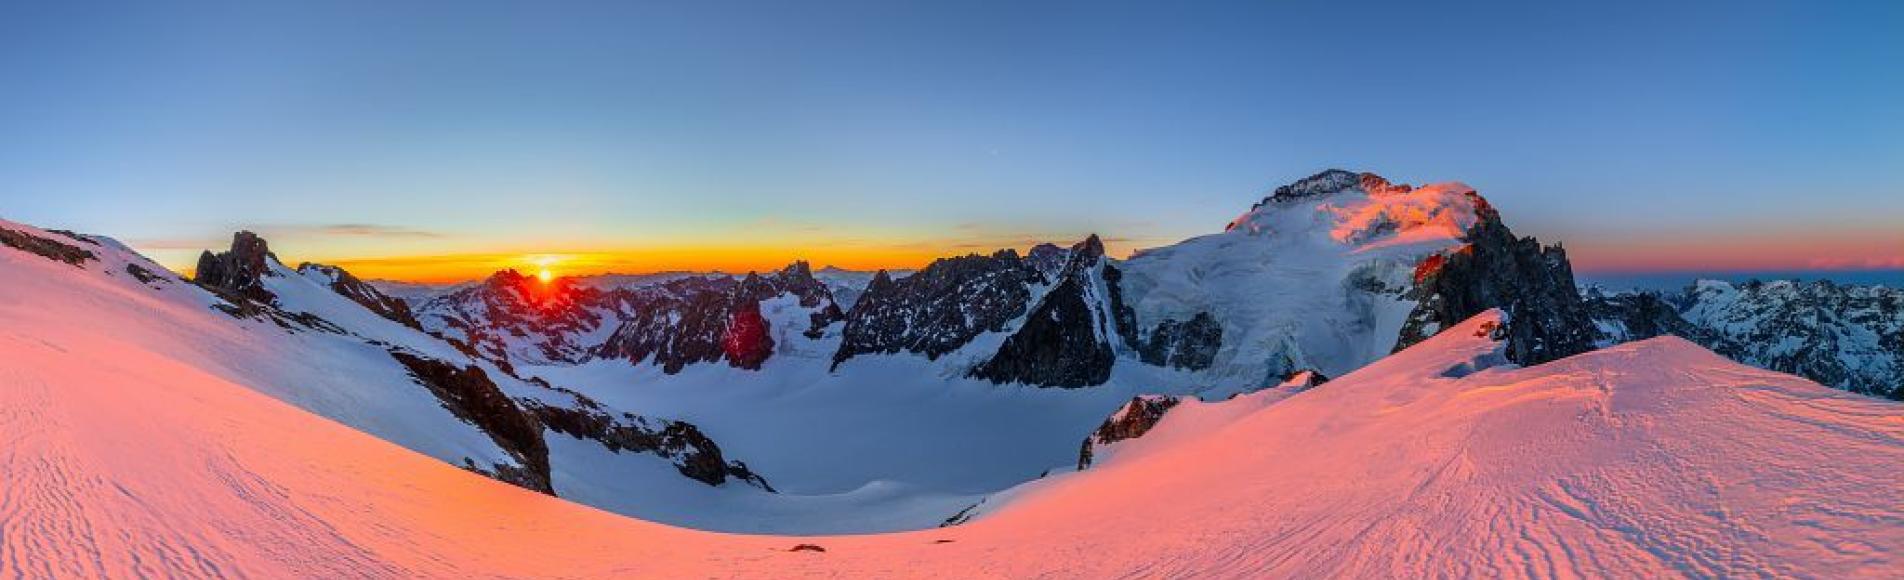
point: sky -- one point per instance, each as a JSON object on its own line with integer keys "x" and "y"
{"x": 442, "y": 140}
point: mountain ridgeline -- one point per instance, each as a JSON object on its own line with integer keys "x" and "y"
{"x": 1327, "y": 273}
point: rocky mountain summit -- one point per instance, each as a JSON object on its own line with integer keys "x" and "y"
{"x": 1066, "y": 341}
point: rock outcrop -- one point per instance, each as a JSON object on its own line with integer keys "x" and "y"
{"x": 693, "y": 453}
{"x": 1131, "y": 421}
{"x": 238, "y": 273}
{"x": 46, "y": 248}
{"x": 469, "y": 394}
{"x": 1533, "y": 284}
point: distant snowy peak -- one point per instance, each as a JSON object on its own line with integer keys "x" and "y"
{"x": 1847, "y": 336}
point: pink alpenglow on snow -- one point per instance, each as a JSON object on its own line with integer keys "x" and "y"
{"x": 129, "y": 455}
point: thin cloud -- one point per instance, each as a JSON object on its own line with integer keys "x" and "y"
{"x": 355, "y": 230}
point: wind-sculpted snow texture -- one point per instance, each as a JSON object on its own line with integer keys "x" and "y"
{"x": 1649, "y": 459}
{"x": 1847, "y": 336}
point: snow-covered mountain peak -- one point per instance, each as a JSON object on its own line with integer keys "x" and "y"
{"x": 1357, "y": 209}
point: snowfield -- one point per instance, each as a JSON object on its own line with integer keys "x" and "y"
{"x": 125, "y": 456}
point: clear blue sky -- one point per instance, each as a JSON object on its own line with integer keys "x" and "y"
{"x": 354, "y": 129}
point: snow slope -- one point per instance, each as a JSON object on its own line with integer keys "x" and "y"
{"x": 348, "y": 375}
{"x": 1647, "y": 459}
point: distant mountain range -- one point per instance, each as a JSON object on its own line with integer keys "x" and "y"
{"x": 816, "y": 401}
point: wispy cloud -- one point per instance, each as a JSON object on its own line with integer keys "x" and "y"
{"x": 350, "y": 230}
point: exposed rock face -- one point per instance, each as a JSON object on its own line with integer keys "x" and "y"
{"x": 1846, "y": 336}
{"x": 1533, "y": 284}
{"x": 470, "y": 395}
{"x": 46, "y": 248}
{"x": 1066, "y": 341}
{"x": 516, "y": 426}
{"x": 693, "y": 453}
{"x": 693, "y": 320}
{"x": 238, "y": 272}
{"x": 1131, "y": 421}
{"x": 938, "y": 309}
{"x": 1185, "y": 345}
{"x": 348, "y": 286}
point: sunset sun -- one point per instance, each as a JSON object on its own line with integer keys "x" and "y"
{"x": 545, "y": 275}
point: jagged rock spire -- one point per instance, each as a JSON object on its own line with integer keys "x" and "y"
{"x": 238, "y": 272}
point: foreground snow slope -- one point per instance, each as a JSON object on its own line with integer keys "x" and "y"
{"x": 1650, "y": 457}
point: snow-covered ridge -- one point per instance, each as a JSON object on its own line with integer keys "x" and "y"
{"x": 311, "y": 338}
{"x": 1644, "y": 460}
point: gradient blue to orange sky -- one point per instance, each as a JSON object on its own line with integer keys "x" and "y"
{"x": 442, "y": 140}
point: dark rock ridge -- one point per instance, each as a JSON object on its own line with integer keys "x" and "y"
{"x": 693, "y": 453}
{"x": 516, "y": 425}
{"x": 940, "y": 308}
{"x": 348, "y": 286}
{"x": 238, "y": 272}
{"x": 470, "y": 395}
{"x": 1533, "y": 284}
{"x": 1846, "y": 336}
{"x": 1066, "y": 341}
{"x": 1131, "y": 421}
{"x": 46, "y": 248}
{"x": 693, "y": 320}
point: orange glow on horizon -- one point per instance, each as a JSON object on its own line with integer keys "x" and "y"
{"x": 736, "y": 260}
